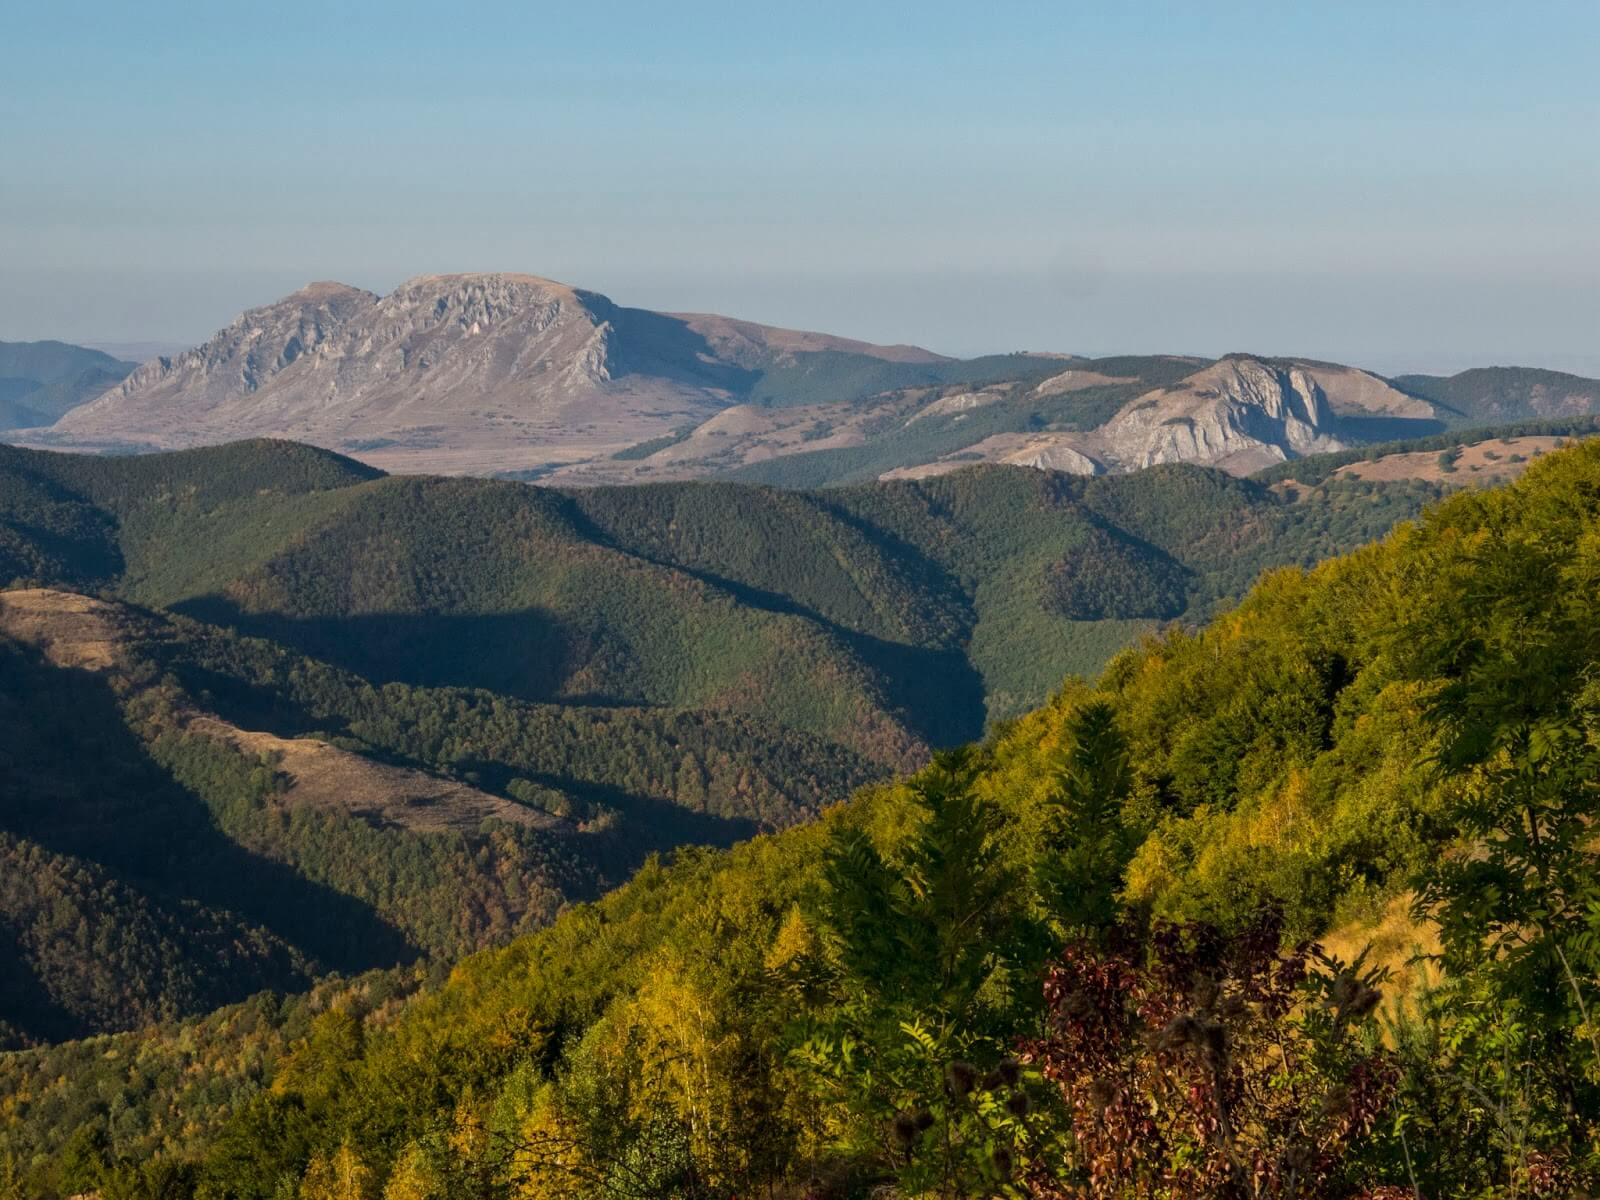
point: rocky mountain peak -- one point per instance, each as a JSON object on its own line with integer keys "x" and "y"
{"x": 242, "y": 358}
{"x": 483, "y": 298}
{"x": 1243, "y": 412}
{"x": 463, "y": 363}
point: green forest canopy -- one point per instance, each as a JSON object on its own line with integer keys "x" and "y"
{"x": 1410, "y": 729}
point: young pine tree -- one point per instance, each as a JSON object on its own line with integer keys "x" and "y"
{"x": 927, "y": 953}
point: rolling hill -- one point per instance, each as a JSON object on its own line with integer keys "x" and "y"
{"x": 193, "y": 817}
{"x": 1496, "y": 395}
{"x": 779, "y": 1015}
{"x": 826, "y": 612}
{"x": 252, "y": 685}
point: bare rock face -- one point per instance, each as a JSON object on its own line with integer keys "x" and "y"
{"x": 447, "y": 373}
{"x": 961, "y": 402}
{"x": 237, "y": 361}
{"x": 489, "y": 373}
{"x": 1054, "y": 454}
{"x": 442, "y": 361}
{"x": 1075, "y": 380}
{"x": 1242, "y": 414}
{"x": 1228, "y": 409}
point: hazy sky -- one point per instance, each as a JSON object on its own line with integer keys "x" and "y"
{"x": 1400, "y": 185}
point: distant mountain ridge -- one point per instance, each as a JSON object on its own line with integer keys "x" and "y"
{"x": 41, "y": 381}
{"x": 462, "y": 373}
{"x": 1489, "y": 395}
{"x": 516, "y": 375}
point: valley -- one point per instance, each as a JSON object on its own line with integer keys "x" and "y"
{"x": 450, "y": 708}
{"x": 288, "y": 734}
{"x": 1283, "y": 757}
{"x": 729, "y": 602}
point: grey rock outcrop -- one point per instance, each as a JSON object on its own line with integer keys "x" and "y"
{"x": 489, "y": 373}
{"x": 445, "y": 372}
{"x": 1244, "y": 413}
{"x": 449, "y": 373}
{"x": 1056, "y": 454}
{"x": 236, "y": 361}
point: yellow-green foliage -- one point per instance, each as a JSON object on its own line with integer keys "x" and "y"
{"x": 1285, "y": 738}
{"x": 1279, "y": 754}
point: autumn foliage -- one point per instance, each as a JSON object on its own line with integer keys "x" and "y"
{"x": 1205, "y": 1066}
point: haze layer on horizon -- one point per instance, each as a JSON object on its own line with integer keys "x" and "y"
{"x": 1406, "y": 186}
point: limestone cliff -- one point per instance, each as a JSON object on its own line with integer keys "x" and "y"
{"x": 1245, "y": 413}
{"x": 453, "y": 373}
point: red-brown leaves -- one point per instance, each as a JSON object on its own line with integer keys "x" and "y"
{"x": 1209, "y": 1067}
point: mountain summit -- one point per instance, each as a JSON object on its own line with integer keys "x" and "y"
{"x": 467, "y": 373}
{"x": 1245, "y": 413}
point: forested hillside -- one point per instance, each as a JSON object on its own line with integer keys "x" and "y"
{"x": 562, "y": 681}
{"x": 1066, "y": 961}
{"x": 1492, "y": 395}
{"x": 169, "y": 784}
{"x": 995, "y": 581}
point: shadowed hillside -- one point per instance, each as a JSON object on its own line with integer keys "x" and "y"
{"x": 445, "y": 707}
{"x": 41, "y": 381}
{"x": 228, "y": 816}
{"x": 1349, "y": 754}
{"x": 831, "y": 613}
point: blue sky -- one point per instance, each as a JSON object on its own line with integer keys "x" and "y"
{"x": 1401, "y": 185}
